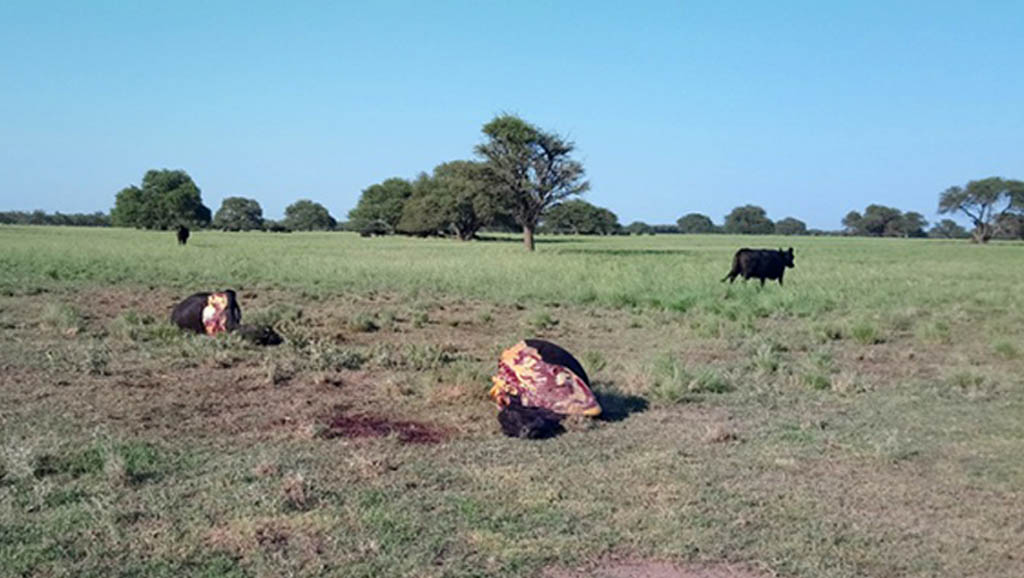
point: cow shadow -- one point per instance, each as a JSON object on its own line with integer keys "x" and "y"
{"x": 617, "y": 406}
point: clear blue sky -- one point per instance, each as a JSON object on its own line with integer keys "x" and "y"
{"x": 809, "y": 109}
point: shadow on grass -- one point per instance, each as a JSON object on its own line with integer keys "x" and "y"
{"x": 626, "y": 252}
{"x": 536, "y": 240}
{"x": 617, "y": 406}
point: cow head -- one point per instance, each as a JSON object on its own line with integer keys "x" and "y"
{"x": 787, "y": 257}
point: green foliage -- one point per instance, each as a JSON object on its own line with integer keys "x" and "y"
{"x": 167, "y": 199}
{"x": 459, "y": 199}
{"x": 672, "y": 382}
{"x": 790, "y": 226}
{"x": 305, "y": 215}
{"x": 578, "y": 217}
{"x": 748, "y": 220}
{"x": 533, "y": 168}
{"x": 985, "y": 202}
{"x": 882, "y": 221}
{"x": 866, "y": 333}
{"x": 696, "y": 224}
{"x": 239, "y": 214}
{"x": 639, "y": 228}
{"x": 380, "y": 207}
{"x": 948, "y": 229}
{"x": 97, "y": 219}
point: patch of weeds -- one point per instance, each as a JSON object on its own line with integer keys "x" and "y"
{"x": 1006, "y": 350}
{"x": 296, "y": 493}
{"x": 142, "y": 462}
{"x": 280, "y": 371}
{"x": 816, "y": 380}
{"x": 831, "y": 332}
{"x": 866, "y": 333}
{"x": 74, "y": 464}
{"x": 97, "y": 358}
{"x": 420, "y": 319}
{"x": 325, "y": 356}
{"x": 971, "y": 385}
{"x": 62, "y": 318}
{"x": 363, "y": 323}
{"x": 413, "y": 356}
{"x": 279, "y": 314}
{"x": 541, "y": 321}
{"x": 934, "y": 332}
{"x": 132, "y": 326}
{"x": 593, "y": 361}
{"x": 388, "y": 320}
{"x": 673, "y": 383}
{"x": 63, "y": 497}
{"x": 767, "y": 358}
{"x": 485, "y": 317}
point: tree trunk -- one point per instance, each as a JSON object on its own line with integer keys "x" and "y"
{"x": 981, "y": 234}
{"x": 528, "y": 237}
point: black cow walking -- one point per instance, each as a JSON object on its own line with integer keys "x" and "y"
{"x": 182, "y": 234}
{"x": 760, "y": 263}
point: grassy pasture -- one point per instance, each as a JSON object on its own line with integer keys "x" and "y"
{"x": 863, "y": 420}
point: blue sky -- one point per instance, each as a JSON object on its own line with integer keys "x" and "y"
{"x": 809, "y": 109}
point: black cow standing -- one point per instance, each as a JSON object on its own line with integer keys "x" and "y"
{"x": 760, "y": 263}
{"x": 182, "y": 234}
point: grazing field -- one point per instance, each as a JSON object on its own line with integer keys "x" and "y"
{"x": 866, "y": 419}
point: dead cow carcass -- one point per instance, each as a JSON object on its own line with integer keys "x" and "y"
{"x": 537, "y": 385}
{"x": 219, "y": 312}
{"x": 760, "y": 264}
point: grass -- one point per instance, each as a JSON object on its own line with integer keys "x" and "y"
{"x": 863, "y": 420}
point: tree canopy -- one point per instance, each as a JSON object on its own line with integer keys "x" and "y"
{"x": 533, "y": 168}
{"x": 984, "y": 202}
{"x": 166, "y": 199}
{"x": 380, "y": 206}
{"x": 305, "y": 215}
{"x": 578, "y": 217}
{"x": 790, "y": 226}
{"x": 948, "y": 229}
{"x": 459, "y": 199}
{"x": 882, "y": 221}
{"x": 748, "y": 220}
{"x": 639, "y": 228}
{"x": 696, "y": 223}
{"x": 239, "y": 214}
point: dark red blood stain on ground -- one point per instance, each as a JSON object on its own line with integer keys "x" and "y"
{"x": 370, "y": 426}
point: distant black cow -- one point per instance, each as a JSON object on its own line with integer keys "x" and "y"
{"x": 761, "y": 264}
{"x": 183, "y": 234}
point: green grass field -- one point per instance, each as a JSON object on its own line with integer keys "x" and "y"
{"x": 863, "y": 420}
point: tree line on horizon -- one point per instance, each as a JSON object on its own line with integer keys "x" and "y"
{"x": 525, "y": 180}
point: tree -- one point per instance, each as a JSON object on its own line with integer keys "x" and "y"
{"x": 748, "y": 220}
{"x": 167, "y": 199}
{"x": 695, "y": 223}
{"x": 239, "y": 214}
{"x": 578, "y": 217}
{"x": 790, "y": 226}
{"x": 1010, "y": 226}
{"x": 533, "y": 168}
{"x": 882, "y": 221}
{"x": 305, "y": 215}
{"x": 948, "y": 229}
{"x": 639, "y": 228}
{"x": 911, "y": 224}
{"x": 459, "y": 199}
{"x": 380, "y": 206}
{"x": 851, "y": 223}
{"x": 984, "y": 201}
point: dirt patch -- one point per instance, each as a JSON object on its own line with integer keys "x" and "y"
{"x": 659, "y": 570}
{"x": 342, "y": 424}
